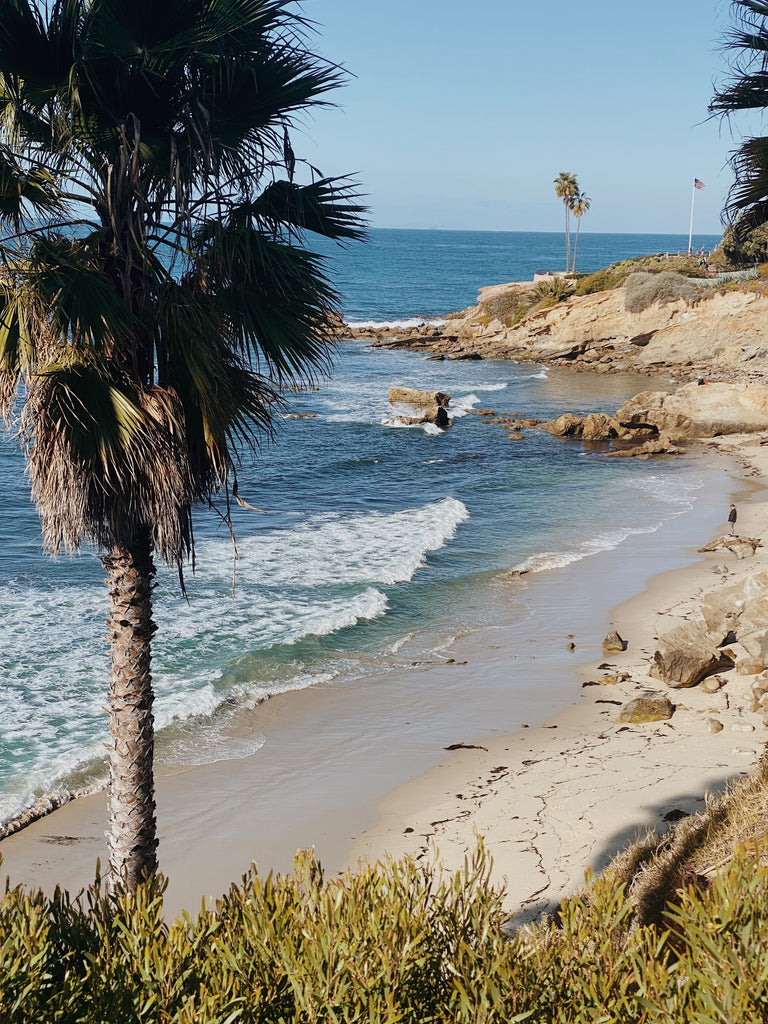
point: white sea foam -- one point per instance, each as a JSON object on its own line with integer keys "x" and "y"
{"x": 394, "y": 324}
{"x": 605, "y": 541}
{"x": 346, "y": 548}
{"x": 462, "y": 406}
{"x": 425, "y": 428}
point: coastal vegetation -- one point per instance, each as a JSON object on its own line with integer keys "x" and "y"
{"x": 154, "y": 294}
{"x": 674, "y": 931}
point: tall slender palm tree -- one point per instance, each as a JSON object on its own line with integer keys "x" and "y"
{"x": 155, "y": 291}
{"x": 747, "y": 89}
{"x": 579, "y": 206}
{"x": 566, "y": 187}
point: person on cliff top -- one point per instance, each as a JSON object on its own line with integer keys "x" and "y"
{"x": 732, "y": 518}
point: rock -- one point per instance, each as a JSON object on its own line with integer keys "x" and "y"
{"x": 421, "y": 399}
{"x": 737, "y": 615}
{"x": 567, "y": 425}
{"x": 714, "y": 725}
{"x": 742, "y": 727}
{"x": 662, "y": 445}
{"x": 695, "y": 411}
{"x": 432, "y": 404}
{"x": 599, "y": 426}
{"x": 516, "y": 436}
{"x": 686, "y": 655}
{"x": 710, "y": 684}
{"x": 571, "y": 645}
{"x": 300, "y": 416}
{"x": 742, "y": 547}
{"x": 647, "y": 707}
{"x": 613, "y": 642}
{"x": 721, "y": 569}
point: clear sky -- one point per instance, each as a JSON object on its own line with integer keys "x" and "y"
{"x": 460, "y": 115}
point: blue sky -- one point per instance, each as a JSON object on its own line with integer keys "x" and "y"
{"x": 461, "y": 115}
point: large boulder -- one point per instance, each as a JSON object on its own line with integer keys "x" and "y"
{"x": 421, "y": 399}
{"x": 432, "y": 406}
{"x": 699, "y": 410}
{"x": 738, "y": 615}
{"x": 595, "y": 426}
{"x": 686, "y": 655}
{"x": 742, "y": 547}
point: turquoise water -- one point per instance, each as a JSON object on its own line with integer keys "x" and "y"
{"x": 379, "y": 543}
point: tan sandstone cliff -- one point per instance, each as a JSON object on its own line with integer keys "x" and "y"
{"x": 725, "y": 335}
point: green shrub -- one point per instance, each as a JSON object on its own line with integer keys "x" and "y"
{"x": 504, "y": 306}
{"x": 549, "y": 293}
{"x": 642, "y": 290}
{"x": 392, "y": 944}
{"x": 601, "y": 281}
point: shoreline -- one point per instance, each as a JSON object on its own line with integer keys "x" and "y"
{"x": 564, "y": 799}
{"x": 213, "y": 820}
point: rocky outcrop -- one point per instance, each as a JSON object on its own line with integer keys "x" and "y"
{"x": 742, "y": 547}
{"x": 432, "y": 406}
{"x": 732, "y": 632}
{"x": 686, "y": 655}
{"x": 661, "y": 445}
{"x": 699, "y": 410}
{"x": 720, "y": 335}
{"x": 596, "y": 426}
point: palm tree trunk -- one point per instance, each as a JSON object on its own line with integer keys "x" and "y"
{"x": 132, "y": 833}
{"x": 576, "y": 243}
{"x": 567, "y": 238}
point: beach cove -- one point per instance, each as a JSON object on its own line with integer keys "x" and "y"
{"x": 332, "y": 755}
{"x": 314, "y": 767}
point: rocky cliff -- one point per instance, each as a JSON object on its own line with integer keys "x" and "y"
{"x": 724, "y": 336}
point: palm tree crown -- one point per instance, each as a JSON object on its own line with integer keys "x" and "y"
{"x": 747, "y": 89}
{"x": 154, "y": 287}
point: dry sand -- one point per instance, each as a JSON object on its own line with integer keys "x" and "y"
{"x": 551, "y": 801}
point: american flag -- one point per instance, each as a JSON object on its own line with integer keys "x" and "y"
{"x": 698, "y": 184}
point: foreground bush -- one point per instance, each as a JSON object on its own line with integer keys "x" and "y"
{"x": 389, "y": 945}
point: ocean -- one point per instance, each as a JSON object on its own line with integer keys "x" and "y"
{"x": 378, "y": 547}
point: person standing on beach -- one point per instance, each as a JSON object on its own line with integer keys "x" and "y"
{"x": 732, "y": 518}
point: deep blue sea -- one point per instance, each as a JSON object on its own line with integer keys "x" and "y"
{"x": 378, "y": 543}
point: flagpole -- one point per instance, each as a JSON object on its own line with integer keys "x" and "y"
{"x": 690, "y": 231}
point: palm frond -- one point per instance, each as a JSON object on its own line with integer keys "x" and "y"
{"x": 273, "y": 298}
{"x": 26, "y": 193}
{"x": 326, "y": 207}
{"x": 85, "y": 305}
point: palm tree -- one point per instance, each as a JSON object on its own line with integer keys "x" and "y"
{"x": 747, "y": 89}
{"x": 154, "y": 293}
{"x": 579, "y": 206}
{"x": 566, "y": 187}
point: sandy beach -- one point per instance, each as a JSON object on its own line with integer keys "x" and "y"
{"x": 557, "y": 801}
{"x": 553, "y": 795}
